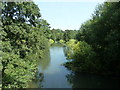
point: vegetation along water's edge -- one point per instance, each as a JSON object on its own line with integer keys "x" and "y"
{"x": 26, "y": 38}
{"x": 23, "y": 42}
{"x": 97, "y": 49}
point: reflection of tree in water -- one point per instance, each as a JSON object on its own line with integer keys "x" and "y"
{"x": 0, "y": 78}
{"x": 81, "y": 81}
{"x": 45, "y": 61}
{"x": 39, "y": 78}
{"x": 68, "y": 52}
{"x": 71, "y": 78}
{"x": 65, "y": 49}
{"x": 37, "y": 81}
{"x": 85, "y": 80}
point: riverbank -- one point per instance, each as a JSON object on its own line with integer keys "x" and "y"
{"x": 51, "y": 70}
{"x": 69, "y": 66}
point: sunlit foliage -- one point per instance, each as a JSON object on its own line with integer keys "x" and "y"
{"x": 100, "y": 35}
{"x": 23, "y": 42}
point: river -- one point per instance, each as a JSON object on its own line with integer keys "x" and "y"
{"x": 54, "y": 75}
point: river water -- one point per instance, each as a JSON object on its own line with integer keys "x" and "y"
{"x": 54, "y": 75}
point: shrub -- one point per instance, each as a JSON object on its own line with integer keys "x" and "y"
{"x": 61, "y": 41}
{"x": 51, "y": 41}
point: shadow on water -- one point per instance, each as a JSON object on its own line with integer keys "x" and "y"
{"x": 85, "y": 80}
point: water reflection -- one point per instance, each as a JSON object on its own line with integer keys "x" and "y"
{"x": 44, "y": 62}
{"x": 37, "y": 82}
{"x": 85, "y": 80}
{"x": 52, "y": 75}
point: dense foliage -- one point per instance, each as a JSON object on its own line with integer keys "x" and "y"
{"x": 99, "y": 37}
{"x": 23, "y": 42}
{"x": 25, "y": 39}
{"x": 60, "y": 36}
{"x": 83, "y": 56}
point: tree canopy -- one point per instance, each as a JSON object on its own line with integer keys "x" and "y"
{"x": 23, "y": 42}
{"x": 102, "y": 34}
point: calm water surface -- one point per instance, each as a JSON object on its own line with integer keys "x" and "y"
{"x": 51, "y": 74}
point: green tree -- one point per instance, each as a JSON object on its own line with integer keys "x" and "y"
{"x": 101, "y": 32}
{"x": 69, "y": 34}
{"x": 23, "y": 42}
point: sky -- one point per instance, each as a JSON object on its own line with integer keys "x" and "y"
{"x": 66, "y": 15}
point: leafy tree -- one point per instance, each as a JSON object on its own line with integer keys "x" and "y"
{"x": 69, "y": 34}
{"x": 101, "y": 32}
{"x": 83, "y": 56}
{"x": 23, "y": 42}
{"x": 61, "y": 41}
{"x": 57, "y": 34}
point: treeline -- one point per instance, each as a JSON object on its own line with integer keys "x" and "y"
{"x": 60, "y": 36}
{"x": 23, "y": 42}
{"x": 93, "y": 48}
{"x": 98, "y": 47}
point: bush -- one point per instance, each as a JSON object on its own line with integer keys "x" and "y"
{"x": 69, "y": 49}
{"x": 51, "y": 41}
{"x": 61, "y": 41}
{"x": 83, "y": 57}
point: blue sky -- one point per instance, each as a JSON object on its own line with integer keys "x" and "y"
{"x": 66, "y": 15}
